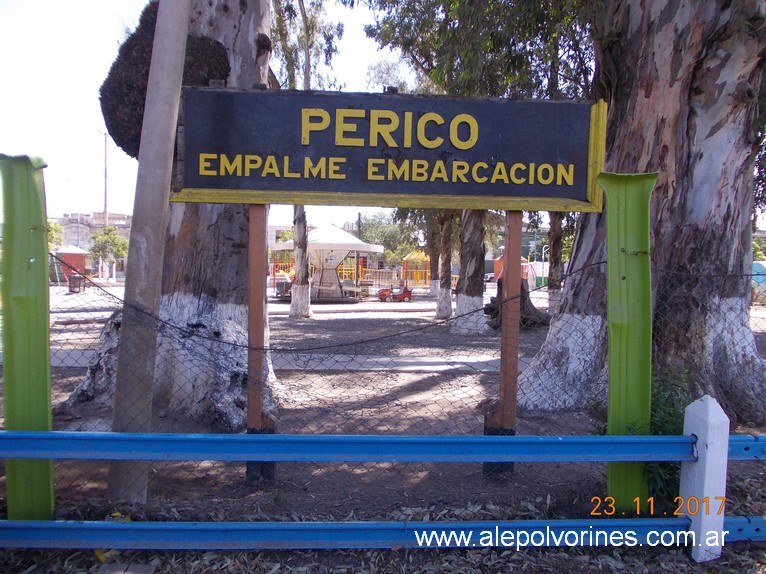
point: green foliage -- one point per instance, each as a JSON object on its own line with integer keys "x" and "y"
{"x": 759, "y": 249}
{"x": 670, "y": 397}
{"x": 398, "y": 239}
{"x": 290, "y": 36}
{"x": 108, "y": 245}
{"x": 494, "y": 48}
{"x": 55, "y": 235}
{"x": 759, "y": 195}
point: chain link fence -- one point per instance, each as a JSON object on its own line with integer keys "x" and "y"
{"x": 355, "y": 368}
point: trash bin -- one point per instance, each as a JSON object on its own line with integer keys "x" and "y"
{"x": 540, "y": 281}
{"x": 76, "y": 284}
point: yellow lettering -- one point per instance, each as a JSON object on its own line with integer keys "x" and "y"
{"x": 318, "y": 169}
{"x": 473, "y": 131}
{"x": 565, "y": 174}
{"x": 419, "y": 170}
{"x": 270, "y": 167}
{"x": 475, "y": 172}
{"x": 440, "y": 171}
{"x": 407, "y": 129}
{"x": 384, "y": 130}
{"x": 205, "y": 160}
{"x": 231, "y": 167}
{"x": 514, "y": 168}
{"x": 399, "y": 172}
{"x": 342, "y": 127}
{"x": 531, "y": 173}
{"x": 429, "y": 117}
{"x": 373, "y": 164}
{"x": 335, "y": 163}
{"x": 286, "y": 168}
{"x": 252, "y": 163}
{"x": 499, "y": 173}
{"x": 308, "y": 123}
{"x": 459, "y": 169}
{"x": 545, "y": 173}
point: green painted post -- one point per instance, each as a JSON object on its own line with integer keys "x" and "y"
{"x": 629, "y": 319}
{"x": 26, "y": 332}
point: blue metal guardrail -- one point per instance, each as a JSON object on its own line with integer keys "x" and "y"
{"x": 344, "y": 448}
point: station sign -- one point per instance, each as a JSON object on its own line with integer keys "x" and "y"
{"x": 321, "y": 148}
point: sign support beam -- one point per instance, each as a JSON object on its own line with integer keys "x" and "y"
{"x": 503, "y": 420}
{"x": 257, "y": 271}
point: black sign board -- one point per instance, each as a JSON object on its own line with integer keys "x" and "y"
{"x": 391, "y": 150}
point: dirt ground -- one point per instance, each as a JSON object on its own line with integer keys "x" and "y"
{"x": 349, "y": 399}
{"x": 352, "y": 397}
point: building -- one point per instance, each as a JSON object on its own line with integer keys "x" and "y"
{"x": 80, "y": 227}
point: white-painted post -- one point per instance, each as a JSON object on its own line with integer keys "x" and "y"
{"x": 703, "y": 483}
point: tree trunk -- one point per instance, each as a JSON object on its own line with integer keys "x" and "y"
{"x": 444, "y": 297}
{"x": 300, "y": 302}
{"x": 555, "y": 265}
{"x": 300, "y": 294}
{"x": 432, "y": 250}
{"x": 469, "y": 309}
{"x": 206, "y": 244}
{"x": 681, "y": 82}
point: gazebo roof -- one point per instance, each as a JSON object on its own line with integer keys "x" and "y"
{"x": 417, "y": 255}
{"x": 331, "y": 238}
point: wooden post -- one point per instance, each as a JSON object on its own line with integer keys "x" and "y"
{"x": 256, "y": 324}
{"x": 503, "y": 420}
{"x": 143, "y": 276}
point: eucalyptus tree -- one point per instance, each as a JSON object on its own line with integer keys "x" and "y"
{"x": 205, "y": 244}
{"x": 496, "y": 49}
{"x": 682, "y": 81}
{"x": 301, "y": 43}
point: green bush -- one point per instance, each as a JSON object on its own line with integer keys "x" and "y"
{"x": 670, "y": 397}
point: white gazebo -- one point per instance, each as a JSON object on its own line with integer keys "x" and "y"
{"x": 328, "y": 247}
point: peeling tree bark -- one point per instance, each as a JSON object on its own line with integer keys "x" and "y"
{"x": 469, "y": 309}
{"x": 206, "y": 244}
{"x": 444, "y": 298}
{"x": 681, "y": 82}
{"x": 300, "y": 301}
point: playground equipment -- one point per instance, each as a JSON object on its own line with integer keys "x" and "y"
{"x": 391, "y": 294}
{"x": 328, "y": 247}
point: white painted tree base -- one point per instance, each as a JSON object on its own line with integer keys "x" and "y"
{"x": 201, "y": 365}
{"x": 300, "y": 302}
{"x": 570, "y": 371}
{"x": 444, "y": 304}
{"x": 469, "y": 316}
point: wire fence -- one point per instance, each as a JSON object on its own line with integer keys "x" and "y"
{"x": 372, "y": 368}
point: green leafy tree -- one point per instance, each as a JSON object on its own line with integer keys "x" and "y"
{"x": 108, "y": 246}
{"x": 398, "y": 240}
{"x": 499, "y": 48}
{"x": 305, "y": 44}
{"x": 55, "y": 235}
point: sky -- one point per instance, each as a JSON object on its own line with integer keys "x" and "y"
{"x": 54, "y": 56}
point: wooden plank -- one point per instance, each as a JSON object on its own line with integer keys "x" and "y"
{"x": 257, "y": 249}
{"x": 509, "y": 351}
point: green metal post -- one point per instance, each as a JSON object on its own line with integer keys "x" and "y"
{"x": 629, "y": 319}
{"x": 26, "y": 332}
